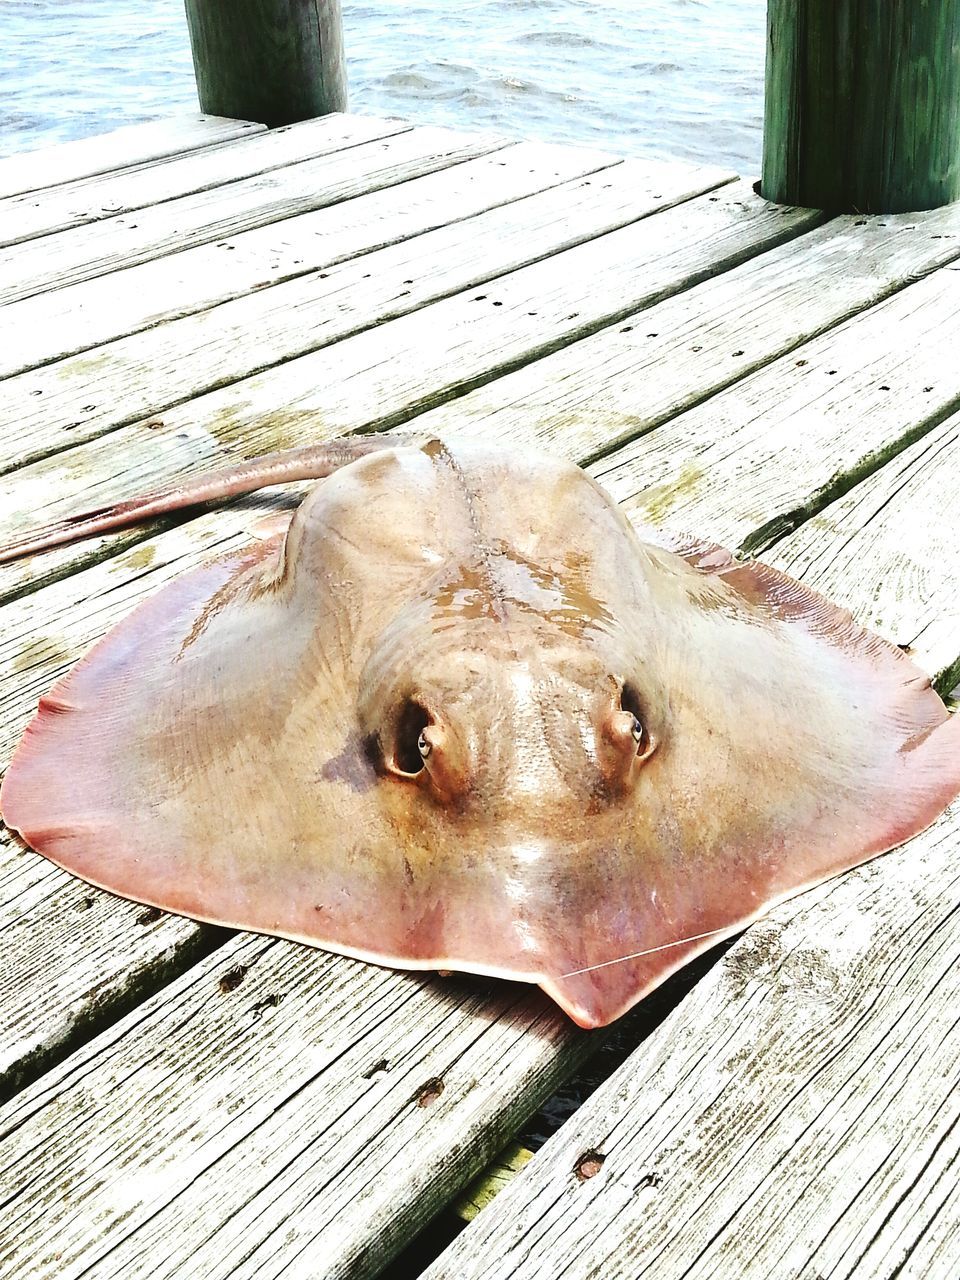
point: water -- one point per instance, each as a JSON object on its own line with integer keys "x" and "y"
{"x": 680, "y": 78}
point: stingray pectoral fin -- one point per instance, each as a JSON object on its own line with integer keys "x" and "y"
{"x": 83, "y": 787}
{"x": 710, "y": 899}
{"x": 903, "y": 748}
{"x": 796, "y": 745}
{"x": 927, "y": 779}
{"x": 208, "y": 755}
{"x": 179, "y": 763}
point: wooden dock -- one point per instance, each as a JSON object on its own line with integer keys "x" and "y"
{"x": 184, "y": 1103}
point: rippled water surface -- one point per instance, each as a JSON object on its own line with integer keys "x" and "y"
{"x": 646, "y": 77}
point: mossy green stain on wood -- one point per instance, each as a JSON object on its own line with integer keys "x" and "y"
{"x": 142, "y": 558}
{"x": 659, "y": 500}
{"x": 862, "y": 110}
{"x": 40, "y": 651}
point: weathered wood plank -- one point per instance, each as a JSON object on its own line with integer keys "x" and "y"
{"x": 87, "y": 395}
{"x": 73, "y": 204}
{"x": 276, "y": 1111}
{"x": 134, "y": 144}
{"x": 797, "y": 1116}
{"x": 889, "y": 550}
{"x": 52, "y": 325}
{"x": 795, "y": 435}
{"x": 389, "y": 373}
{"x": 625, "y": 380}
{"x": 126, "y": 240}
{"x": 488, "y": 1184}
{"x": 128, "y": 952}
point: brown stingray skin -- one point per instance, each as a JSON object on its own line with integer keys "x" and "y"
{"x": 243, "y": 748}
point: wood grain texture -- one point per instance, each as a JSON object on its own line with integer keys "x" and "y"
{"x": 60, "y": 323}
{"x": 73, "y": 204}
{"x": 889, "y": 550}
{"x": 862, "y": 108}
{"x": 134, "y": 144}
{"x": 270, "y": 60}
{"x": 750, "y": 464}
{"x": 797, "y": 1116}
{"x": 276, "y": 1111}
{"x": 84, "y": 396}
{"x": 127, "y": 952}
{"x": 491, "y": 1181}
{"x": 128, "y": 239}
{"x": 394, "y": 371}
{"x": 629, "y": 378}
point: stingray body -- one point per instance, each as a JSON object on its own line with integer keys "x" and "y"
{"x": 461, "y": 717}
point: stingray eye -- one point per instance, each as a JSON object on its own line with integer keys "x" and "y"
{"x": 411, "y": 748}
{"x": 630, "y": 702}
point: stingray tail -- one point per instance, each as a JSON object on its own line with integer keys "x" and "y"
{"x": 311, "y": 462}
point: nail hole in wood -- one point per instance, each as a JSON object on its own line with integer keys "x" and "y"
{"x": 233, "y": 977}
{"x": 589, "y": 1165}
{"x": 430, "y": 1092}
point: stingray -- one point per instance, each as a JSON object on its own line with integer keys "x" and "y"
{"x": 460, "y": 716}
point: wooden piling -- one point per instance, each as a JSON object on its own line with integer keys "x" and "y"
{"x": 274, "y": 61}
{"x": 862, "y": 106}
